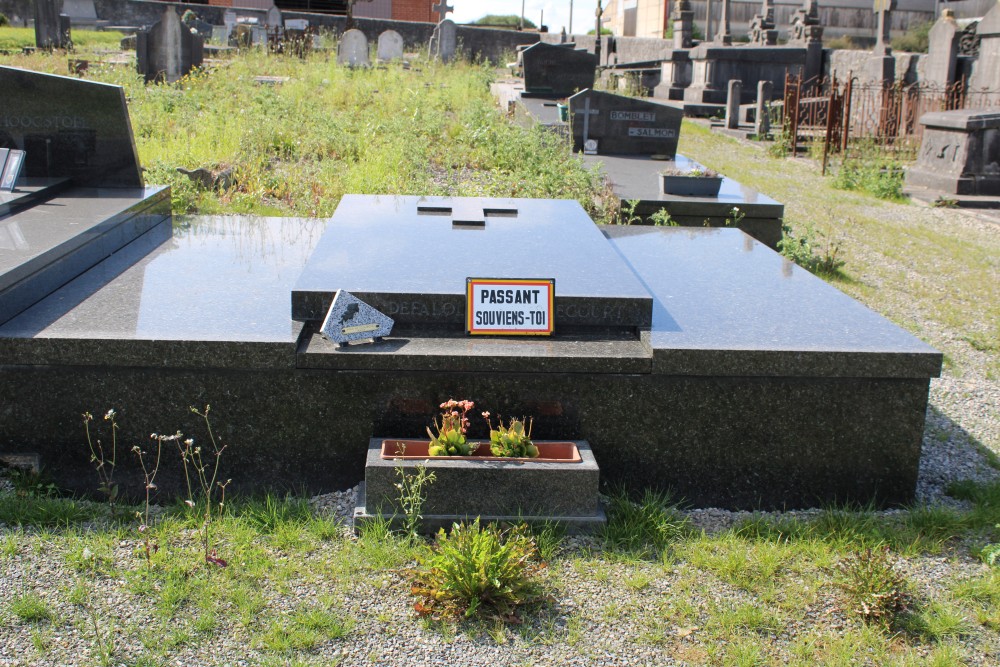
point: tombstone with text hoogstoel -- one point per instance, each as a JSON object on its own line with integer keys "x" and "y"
{"x": 168, "y": 50}
{"x": 557, "y": 70}
{"x": 444, "y": 41}
{"x": 52, "y": 29}
{"x": 352, "y": 50}
{"x": 68, "y": 127}
{"x": 624, "y": 125}
{"x": 390, "y": 46}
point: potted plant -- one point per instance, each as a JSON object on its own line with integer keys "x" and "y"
{"x": 695, "y": 182}
{"x": 516, "y": 478}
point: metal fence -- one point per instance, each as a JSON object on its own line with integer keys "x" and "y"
{"x": 849, "y": 117}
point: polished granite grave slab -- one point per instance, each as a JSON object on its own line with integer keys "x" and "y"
{"x": 409, "y": 257}
{"x": 56, "y": 240}
{"x": 756, "y": 386}
{"x": 636, "y": 178}
{"x": 724, "y": 304}
{"x": 30, "y": 191}
{"x": 214, "y": 294}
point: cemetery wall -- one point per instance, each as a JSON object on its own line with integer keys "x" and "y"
{"x": 489, "y": 43}
{"x": 629, "y": 49}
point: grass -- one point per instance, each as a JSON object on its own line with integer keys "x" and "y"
{"x": 12, "y": 39}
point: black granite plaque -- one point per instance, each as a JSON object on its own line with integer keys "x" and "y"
{"x": 624, "y": 125}
{"x": 68, "y": 127}
{"x": 409, "y": 258}
{"x": 557, "y": 70}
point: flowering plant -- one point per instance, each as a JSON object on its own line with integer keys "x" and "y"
{"x": 512, "y": 440}
{"x": 450, "y": 439}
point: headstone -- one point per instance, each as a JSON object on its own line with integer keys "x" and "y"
{"x": 220, "y": 35}
{"x": 883, "y": 10}
{"x": 242, "y": 36}
{"x": 168, "y": 50}
{"x": 986, "y": 73}
{"x": 683, "y": 17}
{"x": 351, "y": 319}
{"x": 390, "y": 46}
{"x": 942, "y": 51}
{"x": 762, "y": 27}
{"x": 258, "y": 35}
{"x": 805, "y": 24}
{"x": 52, "y": 29}
{"x": 733, "y": 94}
{"x": 724, "y": 36}
{"x": 273, "y": 18}
{"x": 762, "y": 115}
{"x": 229, "y": 20}
{"x": 557, "y": 70}
{"x": 959, "y": 153}
{"x": 297, "y": 24}
{"x": 444, "y": 41}
{"x": 69, "y": 127}
{"x": 352, "y": 50}
{"x": 624, "y": 125}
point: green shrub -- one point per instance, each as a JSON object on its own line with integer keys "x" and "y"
{"x": 478, "y": 570}
{"x": 4, "y": 21}
{"x": 880, "y": 178}
{"x": 914, "y": 40}
{"x": 875, "y": 590}
{"x": 803, "y": 248}
{"x": 843, "y": 43}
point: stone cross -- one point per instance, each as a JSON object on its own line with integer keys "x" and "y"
{"x": 884, "y": 10}
{"x": 587, "y": 113}
{"x": 442, "y": 8}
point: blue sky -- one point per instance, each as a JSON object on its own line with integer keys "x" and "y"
{"x": 556, "y": 12}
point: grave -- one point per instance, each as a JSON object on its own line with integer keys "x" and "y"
{"x": 168, "y": 50}
{"x": 352, "y": 51}
{"x": 52, "y": 28}
{"x": 390, "y": 46}
{"x": 959, "y": 153}
{"x": 81, "y": 197}
{"x": 444, "y": 41}
{"x": 557, "y": 70}
{"x": 781, "y": 391}
{"x": 625, "y": 125}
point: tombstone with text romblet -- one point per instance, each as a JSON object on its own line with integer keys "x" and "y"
{"x": 624, "y": 125}
{"x": 557, "y": 70}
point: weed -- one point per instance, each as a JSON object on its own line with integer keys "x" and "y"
{"x": 30, "y": 484}
{"x": 204, "y": 467}
{"x": 877, "y": 177}
{"x": 626, "y": 213}
{"x": 991, "y": 553}
{"x": 104, "y": 461}
{"x": 645, "y": 527}
{"x": 805, "y": 250}
{"x": 149, "y": 474}
{"x": 876, "y": 591}
{"x": 661, "y": 218}
{"x": 412, "y": 493}
{"x": 477, "y": 570}
{"x": 937, "y": 622}
{"x": 304, "y": 630}
{"x": 30, "y": 607}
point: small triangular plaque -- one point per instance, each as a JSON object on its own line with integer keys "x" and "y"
{"x": 351, "y": 319}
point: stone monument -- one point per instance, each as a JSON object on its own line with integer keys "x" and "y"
{"x": 352, "y": 51}
{"x": 623, "y": 125}
{"x": 52, "y": 28}
{"x": 390, "y": 46}
{"x": 724, "y": 36}
{"x": 168, "y": 50}
{"x": 683, "y": 18}
{"x": 444, "y": 41}
{"x": 959, "y": 153}
{"x": 763, "y": 31}
{"x": 986, "y": 72}
{"x": 557, "y": 70}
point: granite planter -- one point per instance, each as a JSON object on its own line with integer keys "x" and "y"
{"x": 690, "y": 186}
{"x": 559, "y": 486}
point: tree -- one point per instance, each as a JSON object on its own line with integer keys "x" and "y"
{"x": 511, "y": 20}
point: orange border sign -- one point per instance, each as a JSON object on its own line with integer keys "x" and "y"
{"x": 509, "y": 306}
